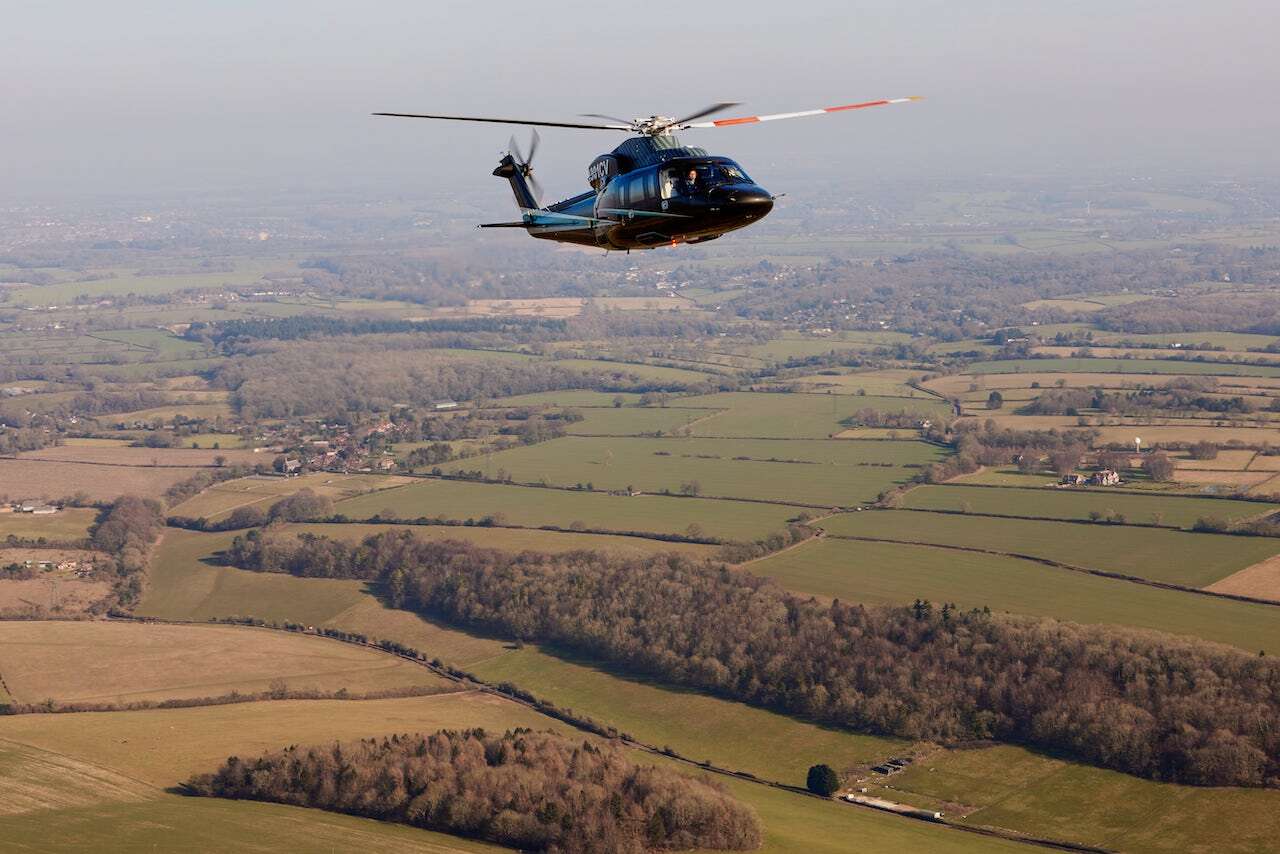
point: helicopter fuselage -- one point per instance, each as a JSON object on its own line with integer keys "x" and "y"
{"x": 649, "y": 192}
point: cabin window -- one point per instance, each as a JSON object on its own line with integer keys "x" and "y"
{"x": 636, "y": 187}
{"x": 669, "y": 183}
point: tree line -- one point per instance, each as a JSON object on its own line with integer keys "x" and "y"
{"x": 534, "y": 791}
{"x": 1157, "y": 706}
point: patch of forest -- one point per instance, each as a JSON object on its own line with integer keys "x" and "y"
{"x": 534, "y": 791}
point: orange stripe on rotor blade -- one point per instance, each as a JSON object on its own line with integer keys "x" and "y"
{"x": 856, "y": 106}
{"x": 743, "y": 121}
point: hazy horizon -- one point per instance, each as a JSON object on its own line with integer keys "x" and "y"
{"x": 144, "y": 98}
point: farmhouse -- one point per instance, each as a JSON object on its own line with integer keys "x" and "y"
{"x": 1106, "y": 477}
{"x": 1073, "y": 479}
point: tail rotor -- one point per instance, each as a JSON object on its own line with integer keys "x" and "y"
{"x": 525, "y": 164}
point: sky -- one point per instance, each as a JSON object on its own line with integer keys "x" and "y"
{"x": 149, "y": 98}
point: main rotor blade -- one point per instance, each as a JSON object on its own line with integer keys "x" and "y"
{"x": 714, "y": 108}
{"x": 608, "y": 118}
{"x": 625, "y": 127}
{"x": 749, "y": 120}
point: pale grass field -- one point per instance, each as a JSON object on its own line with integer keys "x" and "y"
{"x": 52, "y": 480}
{"x": 1262, "y": 581}
{"x": 108, "y": 662}
{"x": 263, "y": 491}
{"x": 194, "y": 457}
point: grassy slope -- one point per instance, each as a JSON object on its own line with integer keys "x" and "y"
{"x": 734, "y": 735}
{"x": 531, "y": 506}
{"x": 897, "y": 574}
{"x": 1077, "y": 504}
{"x": 1037, "y": 794}
{"x": 1175, "y": 556}
{"x": 632, "y": 421}
{"x": 835, "y": 473}
{"x": 795, "y": 416}
{"x": 182, "y": 586}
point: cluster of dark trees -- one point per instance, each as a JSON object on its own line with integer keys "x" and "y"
{"x": 869, "y": 417}
{"x": 374, "y": 373}
{"x": 126, "y": 531}
{"x": 100, "y": 402}
{"x": 534, "y": 791}
{"x": 22, "y": 439}
{"x": 1070, "y": 401}
{"x": 1156, "y": 706}
{"x": 323, "y": 326}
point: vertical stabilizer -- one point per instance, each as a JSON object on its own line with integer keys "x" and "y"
{"x": 515, "y": 173}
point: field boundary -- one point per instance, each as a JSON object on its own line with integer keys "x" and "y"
{"x": 1101, "y": 573}
{"x": 775, "y": 501}
{"x": 113, "y": 465}
{"x": 1252, "y": 499}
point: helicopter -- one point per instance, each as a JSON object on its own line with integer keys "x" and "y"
{"x": 649, "y": 192}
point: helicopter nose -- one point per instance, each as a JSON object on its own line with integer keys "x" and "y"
{"x": 752, "y": 200}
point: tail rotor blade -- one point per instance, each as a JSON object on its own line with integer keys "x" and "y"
{"x": 514, "y": 148}
{"x": 533, "y": 145}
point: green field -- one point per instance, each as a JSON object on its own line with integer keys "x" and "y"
{"x": 1122, "y": 366}
{"x": 184, "y": 584}
{"x": 890, "y": 383}
{"x": 1179, "y": 557}
{"x": 70, "y": 523}
{"x": 1230, "y": 340}
{"x": 831, "y": 473}
{"x": 156, "y": 341}
{"x": 699, "y": 726}
{"x": 1039, "y": 795}
{"x": 1077, "y": 504}
{"x": 888, "y": 573}
{"x": 126, "y": 282}
{"x": 796, "y": 416}
{"x": 632, "y": 421}
{"x": 535, "y": 507}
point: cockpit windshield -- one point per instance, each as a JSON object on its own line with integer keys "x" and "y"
{"x": 695, "y": 178}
